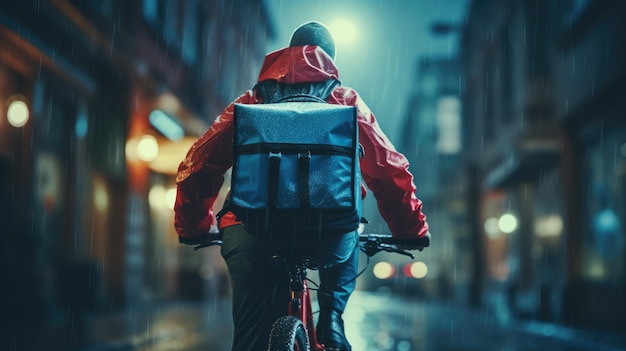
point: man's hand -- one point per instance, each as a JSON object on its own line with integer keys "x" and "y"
{"x": 406, "y": 247}
{"x": 193, "y": 241}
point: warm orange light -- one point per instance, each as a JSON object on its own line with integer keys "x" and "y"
{"x": 383, "y": 270}
{"x": 417, "y": 270}
{"x": 147, "y": 148}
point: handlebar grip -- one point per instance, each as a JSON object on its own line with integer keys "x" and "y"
{"x": 209, "y": 239}
{"x": 215, "y": 236}
{"x": 423, "y": 241}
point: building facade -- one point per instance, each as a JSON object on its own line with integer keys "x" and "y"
{"x": 83, "y": 219}
{"x": 432, "y": 140}
{"x": 544, "y": 129}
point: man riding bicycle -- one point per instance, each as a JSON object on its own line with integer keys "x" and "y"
{"x": 259, "y": 290}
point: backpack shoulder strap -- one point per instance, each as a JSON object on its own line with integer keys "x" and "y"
{"x": 300, "y": 97}
{"x": 271, "y": 91}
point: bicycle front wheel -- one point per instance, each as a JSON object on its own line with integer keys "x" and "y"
{"x": 288, "y": 334}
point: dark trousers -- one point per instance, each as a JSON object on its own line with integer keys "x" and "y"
{"x": 261, "y": 292}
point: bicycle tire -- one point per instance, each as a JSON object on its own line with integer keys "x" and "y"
{"x": 288, "y": 334}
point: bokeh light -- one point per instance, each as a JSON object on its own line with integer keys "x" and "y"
{"x": 17, "y": 113}
{"x": 417, "y": 270}
{"x": 170, "y": 198}
{"x": 507, "y": 223}
{"x": 147, "y": 148}
{"x": 491, "y": 228}
{"x": 383, "y": 270}
{"x": 343, "y": 30}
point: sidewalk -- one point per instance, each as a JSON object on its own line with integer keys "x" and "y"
{"x": 164, "y": 326}
{"x": 512, "y": 334}
{"x": 176, "y": 326}
{"x": 583, "y": 339}
{"x": 374, "y": 323}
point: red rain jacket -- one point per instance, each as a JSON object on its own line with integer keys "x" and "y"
{"x": 384, "y": 170}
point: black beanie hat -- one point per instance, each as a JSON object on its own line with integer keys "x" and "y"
{"x": 314, "y": 33}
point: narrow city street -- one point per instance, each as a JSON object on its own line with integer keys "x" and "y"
{"x": 498, "y": 126}
{"x": 373, "y": 322}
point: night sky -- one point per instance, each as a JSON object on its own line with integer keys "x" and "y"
{"x": 380, "y": 60}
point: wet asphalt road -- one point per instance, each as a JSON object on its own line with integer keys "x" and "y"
{"x": 373, "y": 322}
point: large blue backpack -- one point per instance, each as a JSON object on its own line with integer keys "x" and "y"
{"x": 296, "y": 167}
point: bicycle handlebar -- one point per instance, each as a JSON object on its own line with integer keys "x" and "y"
{"x": 372, "y": 243}
{"x": 418, "y": 242}
{"x": 211, "y": 239}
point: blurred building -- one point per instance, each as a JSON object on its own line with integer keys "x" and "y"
{"x": 545, "y": 142}
{"x": 432, "y": 141}
{"x": 99, "y": 102}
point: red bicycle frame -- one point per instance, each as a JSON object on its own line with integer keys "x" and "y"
{"x": 305, "y": 313}
{"x": 300, "y": 305}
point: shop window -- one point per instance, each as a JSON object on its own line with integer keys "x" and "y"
{"x": 154, "y": 11}
{"x": 179, "y": 23}
{"x": 506, "y": 80}
{"x": 190, "y": 32}
{"x": 449, "y": 125}
{"x": 604, "y": 243}
{"x": 499, "y": 226}
{"x": 549, "y": 241}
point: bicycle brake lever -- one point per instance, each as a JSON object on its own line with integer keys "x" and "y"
{"x": 406, "y": 253}
{"x": 395, "y": 249}
{"x": 370, "y": 248}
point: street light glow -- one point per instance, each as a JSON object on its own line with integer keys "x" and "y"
{"x": 17, "y": 113}
{"x": 491, "y": 228}
{"x": 147, "y": 148}
{"x": 507, "y": 223}
{"x": 170, "y": 198}
{"x": 383, "y": 270}
{"x": 417, "y": 270}
{"x": 344, "y": 31}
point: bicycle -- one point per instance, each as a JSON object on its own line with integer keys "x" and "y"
{"x": 296, "y": 330}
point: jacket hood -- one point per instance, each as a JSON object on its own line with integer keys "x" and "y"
{"x": 298, "y": 64}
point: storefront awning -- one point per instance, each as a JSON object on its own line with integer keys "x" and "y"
{"x": 524, "y": 165}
